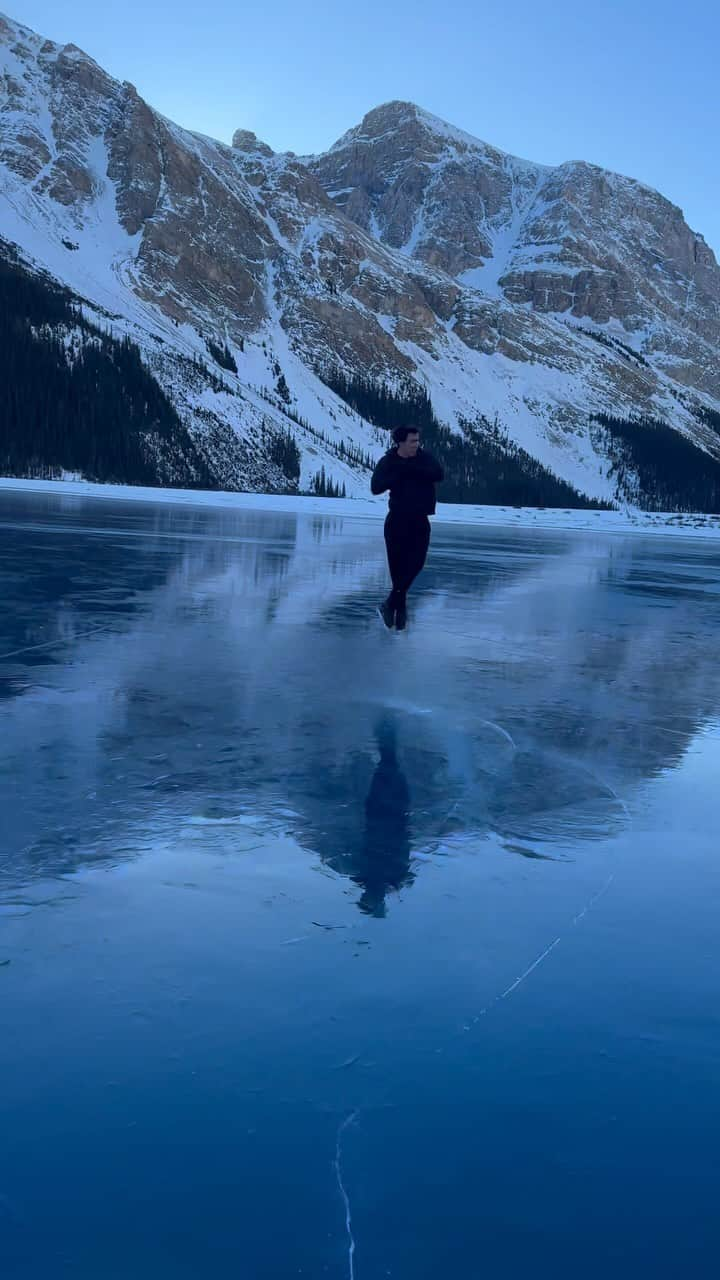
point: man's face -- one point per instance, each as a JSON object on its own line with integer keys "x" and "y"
{"x": 410, "y": 445}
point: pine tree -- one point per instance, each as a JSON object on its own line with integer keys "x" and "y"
{"x": 222, "y": 355}
{"x": 285, "y": 453}
{"x": 90, "y": 406}
{"x": 656, "y": 466}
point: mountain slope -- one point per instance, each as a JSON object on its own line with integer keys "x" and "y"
{"x": 410, "y": 255}
{"x": 575, "y": 241}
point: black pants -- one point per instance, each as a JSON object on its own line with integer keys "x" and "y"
{"x": 407, "y": 538}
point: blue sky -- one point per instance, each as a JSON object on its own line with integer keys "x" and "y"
{"x": 628, "y": 85}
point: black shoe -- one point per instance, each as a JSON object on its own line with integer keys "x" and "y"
{"x": 400, "y": 618}
{"x": 387, "y": 613}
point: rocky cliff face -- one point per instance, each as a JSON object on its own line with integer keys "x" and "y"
{"x": 573, "y": 241}
{"x": 410, "y": 252}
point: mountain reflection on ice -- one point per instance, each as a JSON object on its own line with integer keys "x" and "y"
{"x": 191, "y": 663}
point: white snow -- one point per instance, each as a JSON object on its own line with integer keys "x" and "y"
{"x": 106, "y": 254}
{"x": 601, "y": 522}
{"x": 417, "y": 233}
{"x": 522, "y": 395}
{"x": 504, "y": 236}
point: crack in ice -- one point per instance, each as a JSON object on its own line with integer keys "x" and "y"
{"x": 52, "y": 644}
{"x": 337, "y": 1165}
{"x": 543, "y": 955}
{"x": 591, "y": 903}
{"x": 528, "y": 971}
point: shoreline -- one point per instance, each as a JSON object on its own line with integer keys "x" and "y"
{"x": 669, "y": 524}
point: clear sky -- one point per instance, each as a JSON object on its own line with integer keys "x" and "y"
{"x": 628, "y": 84}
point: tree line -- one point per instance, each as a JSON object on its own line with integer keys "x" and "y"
{"x": 76, "y": 399}
{"x": 657, "y": 467}
{"x": 481, "y": 466}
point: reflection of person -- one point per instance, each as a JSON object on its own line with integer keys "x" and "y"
{"x": 411, "y": 475}
{"x": 384, "y": 862}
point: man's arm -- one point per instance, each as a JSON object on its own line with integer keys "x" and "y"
{"x": 382, "y": 475}
{"x": 431, "y": 466}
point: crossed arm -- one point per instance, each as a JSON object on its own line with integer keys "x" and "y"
{"x": 382, "y": 476}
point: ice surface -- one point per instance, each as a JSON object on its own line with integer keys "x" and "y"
{"x": 335, "y": 952}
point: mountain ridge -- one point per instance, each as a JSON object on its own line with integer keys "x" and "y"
{"x": 506, "y": 291}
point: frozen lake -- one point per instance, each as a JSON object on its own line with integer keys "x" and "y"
{"x": 331, "y": 952}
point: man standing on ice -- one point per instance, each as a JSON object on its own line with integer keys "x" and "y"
{"x": 411, "y": 475}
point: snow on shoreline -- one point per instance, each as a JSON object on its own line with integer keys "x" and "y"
{"x": 673, "y": 524}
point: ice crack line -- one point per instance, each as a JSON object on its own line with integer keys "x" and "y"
{"x": 52, "y": 644}
{"x": 591, "y": 902}
{"x": 543, "y": 955}
{"x": 337, "y": 1165}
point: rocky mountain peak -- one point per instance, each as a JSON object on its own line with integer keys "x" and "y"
{"x": 247, "y": 141}
{"x": 387, "y": 116}
{"x": 421, "y": 186}
{"x": 573, "y": 240}
{"x": 26, "y": 44}
{"x": 405, "y": 122}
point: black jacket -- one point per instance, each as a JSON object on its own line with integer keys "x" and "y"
{"x": 411, "y": 482}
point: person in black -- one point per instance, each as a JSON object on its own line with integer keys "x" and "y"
{"x": 411, "y": 475}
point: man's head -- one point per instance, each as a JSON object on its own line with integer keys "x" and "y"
{"x": 407, "y": 440}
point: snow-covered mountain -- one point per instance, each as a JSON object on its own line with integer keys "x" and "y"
{"x": 573, "y": 241}
{"x": 523, "y": 300}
